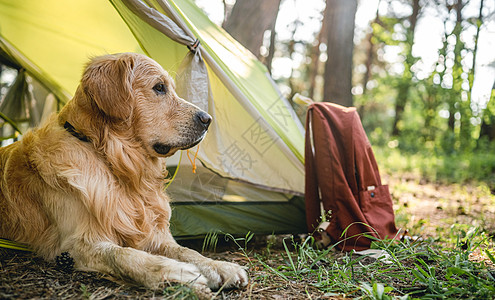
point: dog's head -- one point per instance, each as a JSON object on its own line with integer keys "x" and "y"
{"x": 134, "y": 90}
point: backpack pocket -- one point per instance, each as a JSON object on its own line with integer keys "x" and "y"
{"x": 378, "y": 210}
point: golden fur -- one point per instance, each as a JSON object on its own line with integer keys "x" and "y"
{"x": 102, "y": 200}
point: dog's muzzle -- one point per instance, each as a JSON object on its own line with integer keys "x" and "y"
{"x": 201, "y": 122}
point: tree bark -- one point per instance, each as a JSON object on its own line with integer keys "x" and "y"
{"x": 271, "y": 48}
{"x": 315, "y": 58}
{"x": 487, "y": 130}
{"x": 479, "y": 22}
{"x": 340, "y": 15}
{"x": 405, "y": 82}
{"x": 457, "y": 60}
{"x": 248, "y": 21}
{"x": 371, "y": 50}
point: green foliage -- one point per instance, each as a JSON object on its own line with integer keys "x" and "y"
{"x": 423, "y": 110}
{"x": 433, "y": 164}
{"x": 180, "y": 291}
{"x": 84, "y": 291}
{"x": 385, "y": 30}
{"x": 377, "y": 291}
{"x": 210, "y": 242}
{"x": 241, "y": 240}
{"x": 412, "y": 270}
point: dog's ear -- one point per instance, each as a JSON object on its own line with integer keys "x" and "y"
{"x": 107, "y": 81}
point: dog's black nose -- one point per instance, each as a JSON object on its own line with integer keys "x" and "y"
{"x": 203, "y": 118}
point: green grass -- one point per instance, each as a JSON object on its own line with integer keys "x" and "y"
{"x": 477, "y": 166}
{"x": 454, "y": 261}
{"x": 413, "y": 269}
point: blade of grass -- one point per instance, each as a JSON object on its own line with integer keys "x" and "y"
{"x": 290, "y": 258}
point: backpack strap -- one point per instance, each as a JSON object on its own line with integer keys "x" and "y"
{"x": 312, "y": 192}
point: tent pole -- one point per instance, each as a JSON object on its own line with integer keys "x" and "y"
{"x": 35, "y": 71}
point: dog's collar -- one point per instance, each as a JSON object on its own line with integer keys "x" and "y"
{"x": 68, "y": 126}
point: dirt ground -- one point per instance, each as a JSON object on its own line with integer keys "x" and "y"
{"x": 426, "y": 209}
{"x": 430, "y": 209}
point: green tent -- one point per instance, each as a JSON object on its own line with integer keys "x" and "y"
{"x": 251, "y": 175}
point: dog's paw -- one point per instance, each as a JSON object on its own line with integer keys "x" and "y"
{"x": 225, "y": 274}
{"x": 186, "y": 273}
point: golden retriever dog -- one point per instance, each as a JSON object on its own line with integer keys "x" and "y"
{"x": 90, "y": 181}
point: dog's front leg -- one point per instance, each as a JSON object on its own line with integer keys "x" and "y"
{"x": 219, "y": 273}
{"x": 135, "y": 265}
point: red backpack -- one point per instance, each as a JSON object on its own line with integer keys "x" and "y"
{"x": 342, "y": 177}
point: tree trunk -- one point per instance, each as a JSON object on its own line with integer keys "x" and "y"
{"x": 401, "y": 101}
{"x": 466, "y": 113}
{"x": 479, "y": 22}
{"x": 371, "y": 50}
{"x": 487, "y": 130}
{"x": 340, "y": 16}
{"x": 315, "y": 58}
{"x": 271, "y": 48}
{"x": 248, "y": 21}
{"x": 457, "y": 60}
{"x": 405, "y": 82}
{"x": 466, "y": 126}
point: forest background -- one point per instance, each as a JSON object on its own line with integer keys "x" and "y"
{"x": 420, "y": 72}
{"x": 422, "y": 76}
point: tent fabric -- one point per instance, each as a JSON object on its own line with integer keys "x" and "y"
{"x": 211, "y": 201}
{"x": 264, "y": 218}
{"x": 193, "y": 83}
{"x": 19, "y": 104}
{"x": 26, "y": 103}
{"x": 342, "y": 175}
{"x": 57, "y": 41}
{"x": 9, "y": 53}
{"x": 255, "y": 138}
{"x": 242, "y": 80}
{"x": 249, "y": 78}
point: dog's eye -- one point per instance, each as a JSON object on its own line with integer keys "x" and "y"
{"x": 160, "y": 88}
